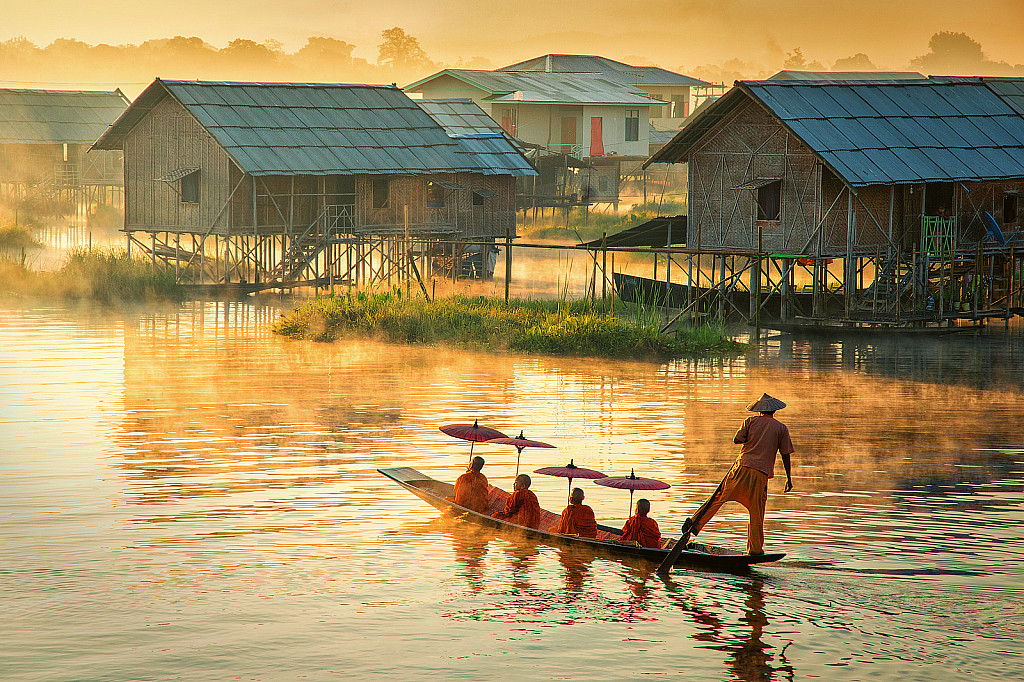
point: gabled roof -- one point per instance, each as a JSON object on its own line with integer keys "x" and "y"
{"x": 884, "y": 132}
{"x": 478, "y": 134}
{"x": 57, "y": 116}
{"x": 538, "y": 87}
{"x": 846, "y": 76}
{"x": 584, "y": 63}
{"x": 308, "y": 128}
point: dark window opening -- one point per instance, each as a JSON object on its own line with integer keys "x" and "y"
{"x": 1010, "y": 208}
{"x": 478, "y": 199}
{"x": 190, "y": 188}
{"x": 380, "y": 192}
{"x": 435, "y": 195}
{"x": 632, "y": 125}
{"x": 938, "y": 199}
{"x": 769, "y": 201}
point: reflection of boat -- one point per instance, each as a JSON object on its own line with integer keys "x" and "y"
{"x": 433, "y": 492}
{"x": 864, "y": 329}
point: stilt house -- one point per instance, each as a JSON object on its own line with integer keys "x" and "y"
{"x": 45, "y": 160}
{"x": 907, "y": 179}
{"x": 304, "y": 179}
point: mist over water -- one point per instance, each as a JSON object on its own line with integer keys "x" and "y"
{"x": 188, "y": 496}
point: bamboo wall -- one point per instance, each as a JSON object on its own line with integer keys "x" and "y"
{"x": 168, "y": 139}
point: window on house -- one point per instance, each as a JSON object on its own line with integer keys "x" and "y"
{"x": 1009, "y": 208}
{"x": 190, "y": 188}
{"x": 509, "y": 121}
{"x": 769, "y": 201}
{"x": 656, "y": 112}
{"x": 435, "y": 195}
{"x": 478, "y": 199}
{"x": 632, "y": 125}
{"x": 380, "y": 192}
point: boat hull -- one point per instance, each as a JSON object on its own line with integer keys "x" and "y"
{"x": 697, "y": 555}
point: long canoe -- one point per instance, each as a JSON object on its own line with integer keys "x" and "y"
{"x": 608, "y": 541}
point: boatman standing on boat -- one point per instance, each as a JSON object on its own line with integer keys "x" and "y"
{"x": 642, "y": 529}
{"x": 762, "y": 437}
{"x": 522, "y": 507}
{"x": 577, "y": 518}
{"x": 471, "y": 488}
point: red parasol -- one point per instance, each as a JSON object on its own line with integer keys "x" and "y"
{"x": 570, "y": 471}
{"x": 520, "y": 443}
{"x": 474, "y": 433}
{"x": 631, "y": 483}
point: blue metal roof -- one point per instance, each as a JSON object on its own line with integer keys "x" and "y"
{"x": 620, "y": 71}
{"x": 888, "y": 132}
{"x": 479, "y": 135}
{"x": 57, "y": 116}
{"x": 304, "y": 128}
{"x": 538, "y": 87}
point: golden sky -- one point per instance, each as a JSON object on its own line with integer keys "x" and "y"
{"x": 670, "y": 33}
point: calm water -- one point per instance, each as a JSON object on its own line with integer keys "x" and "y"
{"x": 186, "y": 496}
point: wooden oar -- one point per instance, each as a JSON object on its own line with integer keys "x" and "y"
{"x": 678, "y": 548}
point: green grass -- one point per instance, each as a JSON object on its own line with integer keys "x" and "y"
{"x": 529, "y": 326}
{"x": 104, "y": 276}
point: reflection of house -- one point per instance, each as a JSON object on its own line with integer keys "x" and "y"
{"x": 867, "y": 171}
{"x": 44, "y": 149}
{"x": 282, "y": 181}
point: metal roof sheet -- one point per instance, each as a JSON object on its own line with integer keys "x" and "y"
{"x": 890, "y": 131}
{"x": 547, "y": 88}
{"x": 299, "y": 128}
{"x": 626, "y": 73}
{"x": 57, "y": 116}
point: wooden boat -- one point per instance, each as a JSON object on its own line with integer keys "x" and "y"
{"x": 608, "y": 540}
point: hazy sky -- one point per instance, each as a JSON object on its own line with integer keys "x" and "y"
{"x": 670, "y": 33}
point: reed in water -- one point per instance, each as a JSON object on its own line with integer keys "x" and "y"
{"x": 523, "y": 325}
{"x": 101, "y": 275}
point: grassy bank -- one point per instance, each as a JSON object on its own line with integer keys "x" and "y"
{"x": 530, "y": 326}
{"x": 104, "y": 276}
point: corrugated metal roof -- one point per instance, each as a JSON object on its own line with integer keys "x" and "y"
{"x": 478, "y": 134}
{"x": 57, "y": 116}
{"x": 625, "y": 73}
{"x": 846, "y": 75}
{"x": 303, "y": 128}
{"x": 538, "y": 87}
{"x": 887, "y": 132}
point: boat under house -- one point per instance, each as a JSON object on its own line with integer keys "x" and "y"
{"x": 275, "y": 185}
{"x": 46, "y": 166}
{"x": 859, "y": 203}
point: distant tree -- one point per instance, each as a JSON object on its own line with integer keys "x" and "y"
{"x": 858, "y": 62}
{"x": 795, "y": 60}
{"x": 402, "y": 52}
{"x": 952, "y": 53}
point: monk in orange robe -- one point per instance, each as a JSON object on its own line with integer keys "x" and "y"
{"x": 577, "y": 518}
{"x": 471, "y": 488}
{"x": 641, "y": 529}
{"x": 522, "y": 507}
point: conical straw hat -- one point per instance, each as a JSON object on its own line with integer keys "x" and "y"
{"x": 766, "y": 403}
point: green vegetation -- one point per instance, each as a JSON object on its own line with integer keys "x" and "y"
{"x": 530, "y": 326}
{"x": 598, "y": 223}
{"x": 14, "y": 238}
{"x": 99, "y": 275}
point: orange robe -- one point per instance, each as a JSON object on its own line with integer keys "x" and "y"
{"x": 471, "y": 492}
{"x": 577, "y": 519}
{"x": 522, "y": 508}
{"x": 642, "y": 529}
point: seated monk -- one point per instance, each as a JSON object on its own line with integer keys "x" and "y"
{"x": 471, "y": 488}
{"x": 522, "y": 507}
{"x": 577, "y": 518}
{"x": 641, "y": 529}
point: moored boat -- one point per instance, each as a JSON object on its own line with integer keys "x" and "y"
{"x": 608, "y": 541}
